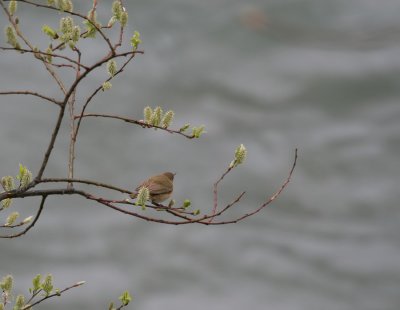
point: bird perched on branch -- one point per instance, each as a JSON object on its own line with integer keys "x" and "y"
{"x": 160, "y": 187}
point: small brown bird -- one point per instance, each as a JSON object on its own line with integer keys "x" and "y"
{"x": 160, "y": 187}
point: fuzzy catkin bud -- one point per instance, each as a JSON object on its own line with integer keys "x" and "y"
{"x": 27, "y": 219}
{"x": 11, "y": 37}
{"x": 135, "y": 40}
{"x": 24, "y": 176}
{"x": 47, "y": 284}
{"x": 6, "y": 284}
{"x": 76, "y": 33}
{"x": 168, "y": 118}
{"x": 67, "y": 5}
{"x": 142, "y": 196}
{"x": 6, "y": 203}
{"x": 36, "y": 282}
{"x": 112, "y": 21}
{"x": 117, "y": 9}
{"x": 60, "y": 4}
{"x": 123, "y": 18}
{"x": 147, "y": 113}
{"x": 240, "y": 156}
{"x": 8, "y": 183}
{"x": 125, "y": 298}
{"x": 19, "y": 302}
{"x": 198, "y": 131}
{"x": 106, "y": 86}
{"x": 12, "y": 7}
{"x": 49, "y": 31}
{"x": 111, "y": 67}
{"x": 11, "y": 219}
{"x": 66, "y": 24}
{"x": 156, "y": 117}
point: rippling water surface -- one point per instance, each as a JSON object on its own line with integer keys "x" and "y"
{"x": 274, "y": 75}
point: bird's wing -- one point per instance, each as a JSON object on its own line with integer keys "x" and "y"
{"x": 156, "y": 188}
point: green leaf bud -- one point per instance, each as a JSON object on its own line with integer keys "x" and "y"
{"x": 6, "y": 202}
{"x": 198, "y": 131}
{"x": 123, "y": 18}
{"x": 19, "y": 302}
{"x": 156, "y": 117}
{"x": 117, "y": 9}
{"x": 135, "y": 40}
{"x": 197, "y": 212}
{"x": 106, "y": 86}
{"x": 6, "y": 284}
{"x": 8, "y": 183}
{"x": 168, "y": 118}
{"x": 24, "y": 176}
{"x": 12, "y": 7}
{"x": 186, "y": 203}
{"x": 184, "y": 127}
{"x": 71, "y": 45}
{"x": 36, "y": 282}
{"x": 125, "y": 298}
{"x": 11, "y": 219}
{"x": 147, "y": 113}
{"x": 50, "y": 32}
{"x": 51, "y": 2}
{"x": 47, "y": 284}
{"x": 49, "y": 52}
{"x": 142, "y": 196}
{"x": 80, "y": 283}
{"x": 36, "y": 53}
{"x": 111, "y": 67}
{"x": 90, "y": 30}
{"x": 171, "y": 203}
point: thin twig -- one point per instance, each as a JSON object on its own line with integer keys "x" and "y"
{"x": 216, "y": 191}
{"x": 32, "y": 93}
{"x": 269, "y": 200}
{"x": 133, "y": 121}
{"x": 45, "y": 54}
{"x": 85, "y": 181}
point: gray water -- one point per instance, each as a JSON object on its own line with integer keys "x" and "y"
{"x": 323, "y": 76}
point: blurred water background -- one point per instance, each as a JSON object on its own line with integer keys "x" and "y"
{"x": 323, "y": 76}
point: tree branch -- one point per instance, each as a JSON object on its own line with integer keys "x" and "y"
{"x": 32, "y": 93}
{"x": 133, "y": 121}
